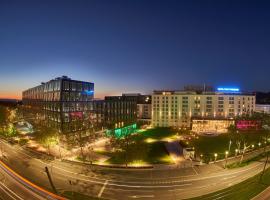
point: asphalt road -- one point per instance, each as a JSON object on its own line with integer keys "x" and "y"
{"x": 126, "y": 184}
{"x": 11, "y": 189}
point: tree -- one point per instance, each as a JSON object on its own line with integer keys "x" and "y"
{"x": 47, "y": 136}
{"x": 91, "y": 138}
{"x": 122, "y": 144}
{"x": 3, "y": 118}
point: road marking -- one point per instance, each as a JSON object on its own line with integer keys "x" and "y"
{"x": 141, "y": 196}
{"x": 102, "y": 189}
{"x": 6, "y": 192}
{"x": 228, "y": 177}
{"x": 195, "y": 170}
{"x": 11, "y": 191}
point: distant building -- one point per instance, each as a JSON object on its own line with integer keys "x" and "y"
{"x": 144, "y": 107}
{"x": 115, "y": 111}
{"x": 179, "y": 108}
{"x": 262, "y": 108}
{"x": 62, "y": 103}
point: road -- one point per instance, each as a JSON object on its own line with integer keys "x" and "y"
{"x": 126, "y": 183}
{"x": 264, "y": 195}
{"x": 11, "y": 189}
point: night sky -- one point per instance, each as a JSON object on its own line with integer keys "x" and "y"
{"x": 134, "y": 45}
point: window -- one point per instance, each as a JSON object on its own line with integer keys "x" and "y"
{"x": 66, "y": 85}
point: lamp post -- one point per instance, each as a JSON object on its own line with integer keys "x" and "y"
{"x": 215, "y": 157}
{"x": 236, "y": 151}
{"x": 230, "y": 143}
{"x": 226, "y": 158}
{"x": 201, "y": 156}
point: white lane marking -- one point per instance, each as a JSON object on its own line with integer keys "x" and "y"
{"x": 195, "y": 171}
{"x": 141, "y": 196}
{"x": 228, "y": 177}
{"x": 187, "y": 180}
{"x": 11, "y": 191}
{"x": 6, "y": 192}
{"x": 102, "y": 189}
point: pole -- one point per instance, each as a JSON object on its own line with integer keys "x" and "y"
{"x": 264, "y": 166}
{"x": 72, "y": 193}
{"x": 230, "y": 146}
{"x": 50, "y": 179}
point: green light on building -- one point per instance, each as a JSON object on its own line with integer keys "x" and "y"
{"x": 121, "y": 132}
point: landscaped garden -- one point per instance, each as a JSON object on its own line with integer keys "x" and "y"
{"x": 145, "y": 147}
{"x": 232, "y": 142}
{"x": 148, "y": 146}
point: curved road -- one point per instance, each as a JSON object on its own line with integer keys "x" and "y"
{"x": 125, "y": 184}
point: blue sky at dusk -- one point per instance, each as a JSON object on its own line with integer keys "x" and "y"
{"x": 134, "y": 45}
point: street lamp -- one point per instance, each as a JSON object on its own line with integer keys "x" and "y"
{"x": 215, "y": 157}
{"x": 236, "y": 151}
{"x": 259, "y": 144}
{"x": 252, "y": 146}
{"x": 230, "y": 143}
{"x": 201, "y": 156}
{"x": 226, "y": 157}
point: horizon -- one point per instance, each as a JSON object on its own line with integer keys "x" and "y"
{"x": 134, "y": 46}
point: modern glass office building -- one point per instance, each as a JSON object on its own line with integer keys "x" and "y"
{"x": 62, "y": 103}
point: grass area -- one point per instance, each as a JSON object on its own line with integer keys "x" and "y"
{"x": 247, "y": 162}
{"x": 241, "y": 191}
{"x": 147, "y": 147}
{"x": 209, "y": 145}
{"x": 77, "y": 196}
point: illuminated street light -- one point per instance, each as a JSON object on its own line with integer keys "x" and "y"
{"x": 236, "y": 151}
{"x": 201, "y": 156}
{"x": 252, "y": 146}
{"x": 230, "y": 143}
{"x": 215, "y": 157}
{"x": 259, "y": 144}
{"x": 226, "y": 157}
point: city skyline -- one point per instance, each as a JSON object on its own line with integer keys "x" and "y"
{"x": 128, "y": 46}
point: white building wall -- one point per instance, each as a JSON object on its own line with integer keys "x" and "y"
{"x": 177, "y": 108}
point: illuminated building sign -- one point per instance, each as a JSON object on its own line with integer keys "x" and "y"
{"x": 88, "y": 92}
{"x": 224, "y": 89}
{"x": 76, "y": 115}
{"x": 121, "y": 132}
{"x": 248, "y": 124}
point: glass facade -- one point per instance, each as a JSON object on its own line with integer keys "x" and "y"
{"x": 63, "y": 103}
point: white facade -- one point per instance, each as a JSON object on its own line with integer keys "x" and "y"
{"x": 177, "y": 108}
{"x": 263, "y": 108}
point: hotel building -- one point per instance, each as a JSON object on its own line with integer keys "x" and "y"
{"x": 180, "y": 108}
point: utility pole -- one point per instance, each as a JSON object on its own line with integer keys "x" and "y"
{"x": 50, "y": 179}
{"x": 72, "y": 193}
{"x": 264, "y": 166}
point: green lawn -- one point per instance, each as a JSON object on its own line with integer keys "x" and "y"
{"x": 209, "y": 145}
{"x": 147, "y": 147}
{"x": 242, "y": 191}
